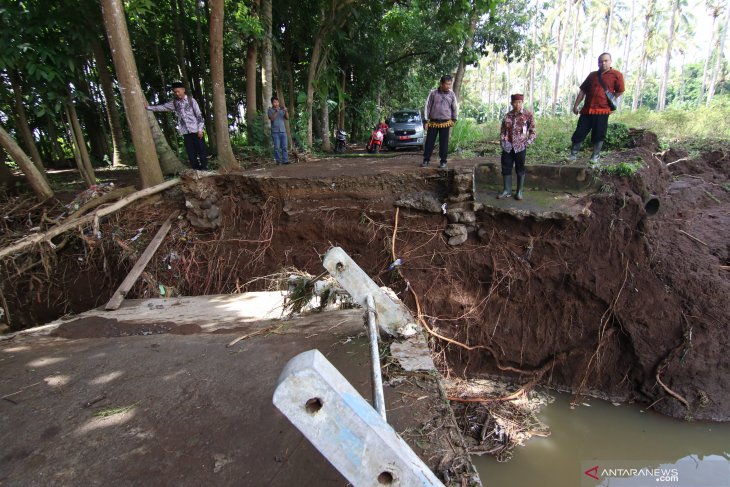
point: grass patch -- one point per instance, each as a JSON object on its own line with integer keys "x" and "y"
{"x": 697, "y": 130}
{"x": 623, "y": 169}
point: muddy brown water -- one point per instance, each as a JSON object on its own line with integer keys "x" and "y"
{"x": 614, "y": 438}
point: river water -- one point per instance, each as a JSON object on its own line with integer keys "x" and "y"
{"x": 629, "y": 448}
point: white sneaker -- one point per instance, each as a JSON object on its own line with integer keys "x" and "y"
{"x": 571, "y": 157}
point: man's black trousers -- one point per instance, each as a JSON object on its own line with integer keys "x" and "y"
{"x": 195, "y": 147}
{"x": 443, "y": 134}
{"x": 513, "y": 158}
{"x": 597, "y": 125}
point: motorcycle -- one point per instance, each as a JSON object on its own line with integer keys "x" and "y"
{"x": 376, "y": 141}
{"x": 340, "y": 141}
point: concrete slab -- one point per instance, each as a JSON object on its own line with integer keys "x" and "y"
{"x": 551, "y": 192}
{"x": 146, "y": 406}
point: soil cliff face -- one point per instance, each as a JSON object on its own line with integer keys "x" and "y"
{"x": 619, "y": 303}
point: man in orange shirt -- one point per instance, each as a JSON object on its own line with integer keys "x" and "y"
{"x": 595, "y": 112}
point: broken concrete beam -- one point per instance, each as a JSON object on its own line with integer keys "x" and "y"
{"x": 350, "y": 434}
{"x": 354, "y": 280}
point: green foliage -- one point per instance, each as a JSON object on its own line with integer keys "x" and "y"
{"x": 258, "y": 136}
{"x": 617, "y": 136}
{"x": 675, "y": 124}
{"x": 623, "y": 169}
{"x": 465, "y": 135}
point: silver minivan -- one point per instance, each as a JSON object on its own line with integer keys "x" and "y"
{"x": 405, "y": 129}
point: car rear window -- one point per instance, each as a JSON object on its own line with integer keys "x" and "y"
{"x": 405, "y": 117}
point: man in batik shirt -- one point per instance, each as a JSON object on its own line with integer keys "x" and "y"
{"x": 190, "y": 124}
{"x": 518, "y": 132}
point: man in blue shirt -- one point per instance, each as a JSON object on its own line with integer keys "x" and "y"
{"x": 190, "y": 124}
{"x": 277, "y": 115}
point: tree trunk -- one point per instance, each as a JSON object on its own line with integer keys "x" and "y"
{"x": 205, "y": 85}
{"x": 226, "y": 159}
{"x": 120, "y": 155}
{"x": 532, "y": 71}
{"x": 169, "y": 162}
{"x": 490, "y": 83}
{"x": 607, "y": 37}
{"x": 668, "y": 57}
{"x": 648, "y": 34}
{"x": 180, "y": 46}
{"x": 35, "y": 178}
{"x": 311, "y": 75}
{"x": 343, "y": 103}
{"x": 720, "y": 56}
{"x": 6, "y": 175}
{"x": 126, "y": 68}
{"x": 266, "y": 62}
{"x": 163, "y": 81}
{"x": 85, "y": 168}
{"x": 561, "y": 43}
{"x": 88, "y": 110}
{"x": 251, "y": 55}
{"x": 710, "y": 49}
{"x": 53, "y": 136}
{"x": 22, "y": 125}
{"x": 627, "y": 52}
{"x": 468, "y": 43}
{"x": 282, "y": 98}
{"x": 75, "y": 146}
{"x": 576, "y": 29}
{"x": 325, "y": 119}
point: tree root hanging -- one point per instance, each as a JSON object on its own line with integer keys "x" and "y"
{"x": 537, "y": 374}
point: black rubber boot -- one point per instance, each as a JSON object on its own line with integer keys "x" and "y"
{"x": 520, "y": 187}
{"x": 507, "y": 191}
{"x": 574, "y": 152}
{"x": 596, "y": 151}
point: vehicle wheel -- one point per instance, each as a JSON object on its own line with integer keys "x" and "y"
{"x": 377, "y": 149}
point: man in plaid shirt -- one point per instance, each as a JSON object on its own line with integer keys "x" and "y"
{"x": 518, "y": 132}
{"x": 190, "y": 124}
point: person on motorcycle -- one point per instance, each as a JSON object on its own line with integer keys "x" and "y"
{"x": 382, "y": 126}
{"x": 440, "y": 114}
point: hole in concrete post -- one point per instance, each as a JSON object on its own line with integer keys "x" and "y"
{"x": 385, "y": 478}
{"x": 651, "y": 205}
{"x": 340, "y": 267}
{"x": 313, "y": 405}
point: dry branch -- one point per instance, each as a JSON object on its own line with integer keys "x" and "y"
{"x": 95, "y": 216}
{"x": 118, "y": 297}
{"x": 263, "y": 331}
{"x": 669, "y": 391}
{"x": 105, "y": 198}
{"x": 693, "y": 238}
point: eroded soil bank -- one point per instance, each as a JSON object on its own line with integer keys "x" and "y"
{"x": 617, "y": 303}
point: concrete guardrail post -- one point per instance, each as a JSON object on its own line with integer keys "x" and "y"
{"x": 354, "y": 280}
{"x": 350, "y": 434}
